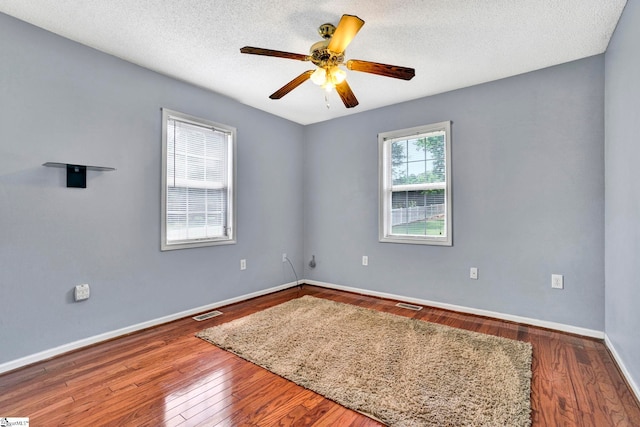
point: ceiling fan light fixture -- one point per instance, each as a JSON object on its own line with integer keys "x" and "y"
{"x": 328, "y": 85}
{"x": 338, "y": 75}
{"x": 319, "y": 76}
{"x": 328, "y": 78}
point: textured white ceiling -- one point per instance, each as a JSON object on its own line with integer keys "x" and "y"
{"x": 450, "y": 43}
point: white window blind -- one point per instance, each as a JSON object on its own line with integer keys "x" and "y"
{"x": 198, "y": 198}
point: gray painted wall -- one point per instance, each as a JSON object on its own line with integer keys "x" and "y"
{"x": 622, "y": 201}
{"x": 528, "y": 198}
{"x": 60, "y": 101}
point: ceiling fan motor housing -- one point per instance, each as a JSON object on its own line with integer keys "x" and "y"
{"x": 323, "y": 57}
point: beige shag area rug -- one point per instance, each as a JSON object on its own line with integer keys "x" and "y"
{"x": 401, "y": 371}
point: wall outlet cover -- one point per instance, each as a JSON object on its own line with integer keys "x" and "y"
{"x": 82, "y": 292}
{"x": 557, "y": 281}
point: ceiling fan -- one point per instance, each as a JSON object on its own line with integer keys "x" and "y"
{"x": 328, "y": 56}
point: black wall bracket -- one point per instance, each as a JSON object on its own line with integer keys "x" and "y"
{"x": 77, "y": 174}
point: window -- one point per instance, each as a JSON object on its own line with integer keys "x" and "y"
{"x": 415, "y": 185}
{"x": 198, "y": 174}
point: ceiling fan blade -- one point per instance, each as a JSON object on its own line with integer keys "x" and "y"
{"x": 346, "y": 30}
{"x": 291, "y": 85}
{"x": 276, "y": 53}
{"x": 394, "y": 71}
{"x": 348, "y": 98}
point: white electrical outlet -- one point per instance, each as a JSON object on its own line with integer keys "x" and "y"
{"x": 82, "y": 292}
{"x": 473, "y": 273}
{"x": 557, "y": 281}
{"x": 365, "y": 260}
{"x": 243, "y": 264}
{"x": 284, "y": 257}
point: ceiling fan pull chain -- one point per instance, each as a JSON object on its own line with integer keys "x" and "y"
{"x": 326, "y": 100}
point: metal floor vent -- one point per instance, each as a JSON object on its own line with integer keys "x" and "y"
{"x": 206, "y": 316}
{"x": 409, "y": 306}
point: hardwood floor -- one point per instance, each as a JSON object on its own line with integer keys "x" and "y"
{"x": 165, "y": 376}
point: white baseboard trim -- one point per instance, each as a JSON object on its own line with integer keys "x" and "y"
{"x": 47, "y": 354}
{"x": 510, "y": 317}
{"x": 623, "y": 368}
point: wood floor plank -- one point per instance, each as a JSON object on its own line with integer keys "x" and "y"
{"x": 274, "y": 416}
{"x": 212, "y": 413}
{"x": 313, "y": 414}
{"x": 165, "y": 376}
{"x": 192, "y": 399}
{"x": 290, "y": 418}
{"x": 615, "y": 399}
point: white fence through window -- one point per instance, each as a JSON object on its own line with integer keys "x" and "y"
{"x": 416, "y": 213}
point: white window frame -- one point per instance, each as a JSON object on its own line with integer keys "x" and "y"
{"x": 386, "y": 187}
{"x": 231, "y": 232}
